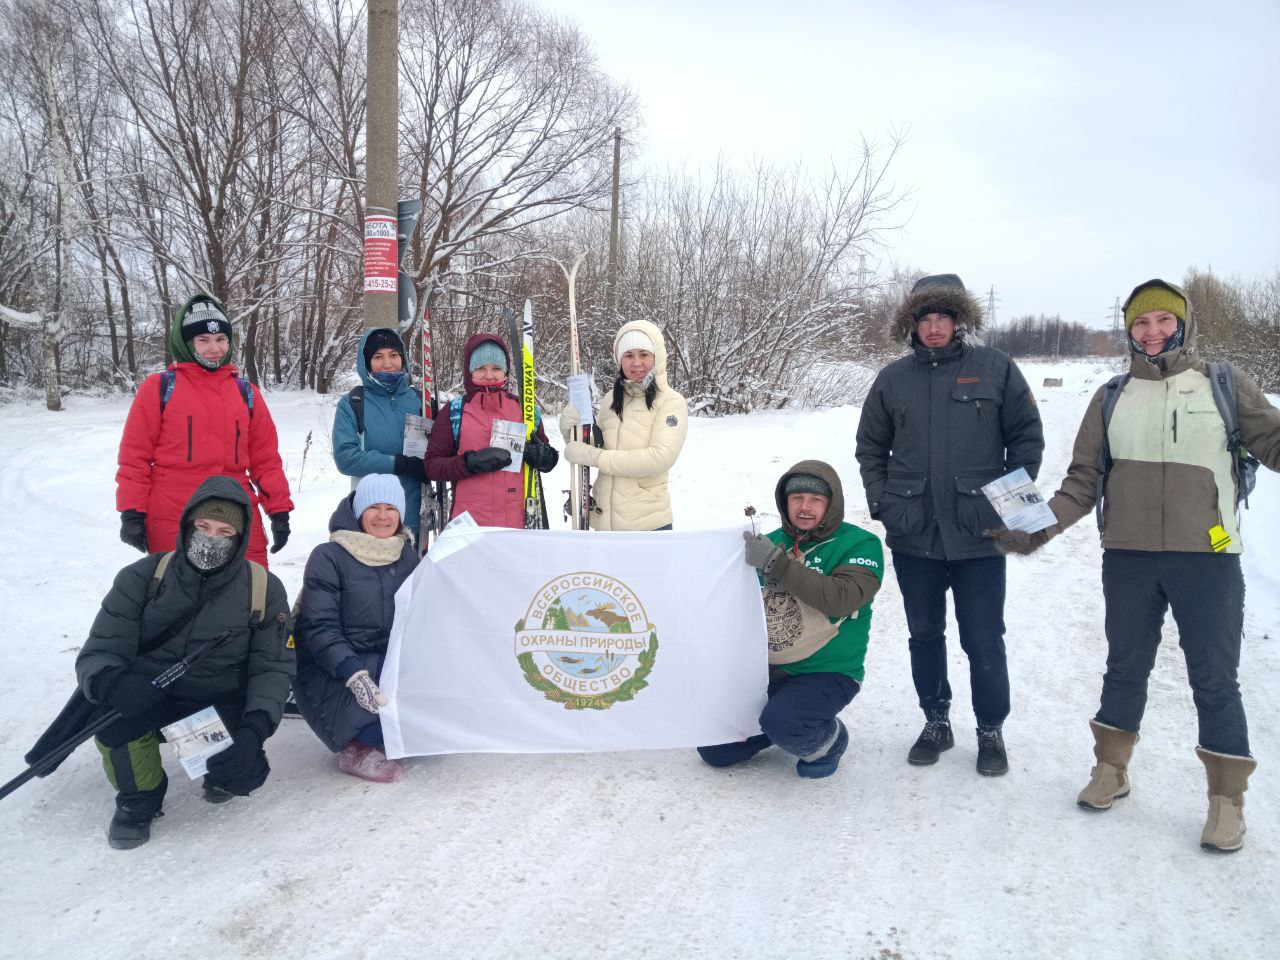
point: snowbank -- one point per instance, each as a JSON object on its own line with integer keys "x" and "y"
{"x": 641, "y": 854}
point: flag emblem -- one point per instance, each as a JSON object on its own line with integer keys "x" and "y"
{"x": 586, "y": 642}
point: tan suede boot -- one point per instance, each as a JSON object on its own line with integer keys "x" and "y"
{"x": 1109, "y": 779}
{"x": 1228, "y": 779}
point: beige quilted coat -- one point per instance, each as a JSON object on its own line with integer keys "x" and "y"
{"x": 630, "y": 486}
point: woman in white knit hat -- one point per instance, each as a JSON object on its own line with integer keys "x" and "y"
{"x": 344, "y": 622}
{"x": 643, "y": 425}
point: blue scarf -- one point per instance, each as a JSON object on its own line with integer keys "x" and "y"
{"x": 390, "y": 379}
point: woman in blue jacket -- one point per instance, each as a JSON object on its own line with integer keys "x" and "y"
{"x": 389, "y": 396}
{"x": 344, "y": 621}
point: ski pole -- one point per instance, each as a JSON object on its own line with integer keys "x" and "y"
{"x": 67, "y": 746}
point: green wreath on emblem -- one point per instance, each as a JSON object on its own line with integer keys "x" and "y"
{"x": 572, "y": 701}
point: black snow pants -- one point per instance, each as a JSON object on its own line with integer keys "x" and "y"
{"x": 1206, "y": 593}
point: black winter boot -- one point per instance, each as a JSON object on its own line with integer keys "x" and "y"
{"x": 992, "y": 761}
{"x": 130, "y": 828}
{"x": 933, "y": 740}
{"x": 214, "y": 793}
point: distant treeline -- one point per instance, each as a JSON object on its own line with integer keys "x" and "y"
{"x": 1047, "y": 336}
{"x": 1237, "y": 319}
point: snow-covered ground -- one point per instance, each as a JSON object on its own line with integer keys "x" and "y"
{"x": 640, "y": 854}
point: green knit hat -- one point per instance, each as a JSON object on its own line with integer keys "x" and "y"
{"x": 1153, "y": 295}
{"x": 227, "y": 511}
{"x": 806, "y": 483}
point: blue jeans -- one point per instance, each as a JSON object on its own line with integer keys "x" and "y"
{"x": 799, "y": 718}
{"x": 977, "y": 590}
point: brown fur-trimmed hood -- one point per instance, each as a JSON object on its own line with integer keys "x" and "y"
{"x": 943, "y": 293}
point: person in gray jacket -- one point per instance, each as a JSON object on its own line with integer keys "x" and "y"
{"x": 938, "y": 424}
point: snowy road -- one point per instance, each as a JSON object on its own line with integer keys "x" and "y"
{"x": 641, "y": 854}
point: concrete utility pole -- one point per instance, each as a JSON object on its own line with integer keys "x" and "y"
{"x": 382, "y": 100}
{"x": 611, "y": 287}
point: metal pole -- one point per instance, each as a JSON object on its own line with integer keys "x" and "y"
{"x": 380, "y": 254}
{"x": 611, "y": 287}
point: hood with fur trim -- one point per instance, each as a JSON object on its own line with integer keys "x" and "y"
{"x": 944, "y": 293}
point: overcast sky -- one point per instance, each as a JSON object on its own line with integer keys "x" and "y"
{"x": 1060, "y": 153}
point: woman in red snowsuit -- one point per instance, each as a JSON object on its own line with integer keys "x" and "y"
{"x": 196, "y": 420}
{"x": 493, "y": 496}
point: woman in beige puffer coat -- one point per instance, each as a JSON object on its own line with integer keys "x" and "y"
{"x": 643, "y": 424}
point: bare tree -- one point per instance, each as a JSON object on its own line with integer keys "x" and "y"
{"x": 755, "y": 277}
{"x": 506, "y": 123}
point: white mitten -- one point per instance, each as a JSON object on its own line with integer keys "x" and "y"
{"x": 366, "y": 691}
{"x": 570, "y": 420}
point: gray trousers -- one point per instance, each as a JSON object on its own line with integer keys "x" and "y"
{"x": 1206, "y": 594}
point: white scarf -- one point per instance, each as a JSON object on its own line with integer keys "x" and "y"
{"x": 370, "y": 550}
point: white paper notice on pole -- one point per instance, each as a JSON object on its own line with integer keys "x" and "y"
{"x": 579, "y": 385}
{"x": 522, "y": 641}
{"x": 1018, "y": 502}
{"x": 380, "y": 255}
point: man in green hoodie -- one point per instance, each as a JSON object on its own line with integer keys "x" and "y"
{"x": 819, "y": 574}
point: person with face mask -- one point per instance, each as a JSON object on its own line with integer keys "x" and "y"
{"x": 642, "y": 427}
{"x": 1171, "y": 540}
{"x": 196, "y": 419}
{"x": 205, "y": 591}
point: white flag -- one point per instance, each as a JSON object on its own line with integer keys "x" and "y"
{"x": 523, "y": 641}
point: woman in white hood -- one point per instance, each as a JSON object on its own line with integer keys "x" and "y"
{"x": 643, "y": 426}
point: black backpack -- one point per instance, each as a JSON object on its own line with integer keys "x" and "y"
{"x": 355, "y": 396}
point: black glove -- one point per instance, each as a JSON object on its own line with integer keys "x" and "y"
{"x": 411, "y": 467}
{"x": 279, "y": 531}
{"x": 242, "y": 767}
{"x": 133, "y": 695}
{"x": 761, "y": 552}
{"x": 540, "y": 456}
{"x": 133, "y": 529}
{"x": 1018, "y": 541}
{"x": 487, "y": 460}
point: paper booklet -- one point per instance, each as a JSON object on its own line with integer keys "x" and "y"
{"x": 509, "y": 435}
{"x": 1019, "y": 503}
{"x": 417, "y": 430}
{"x": 197, "y": 738}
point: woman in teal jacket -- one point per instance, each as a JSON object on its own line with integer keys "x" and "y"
{"x": 389, "y": 396}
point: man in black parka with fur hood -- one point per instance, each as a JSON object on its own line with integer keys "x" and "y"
{"x": 938, "y": 424}
{"x": 206, "y": 590}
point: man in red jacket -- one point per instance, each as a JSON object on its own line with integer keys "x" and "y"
{"x": 198, "y": 419}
